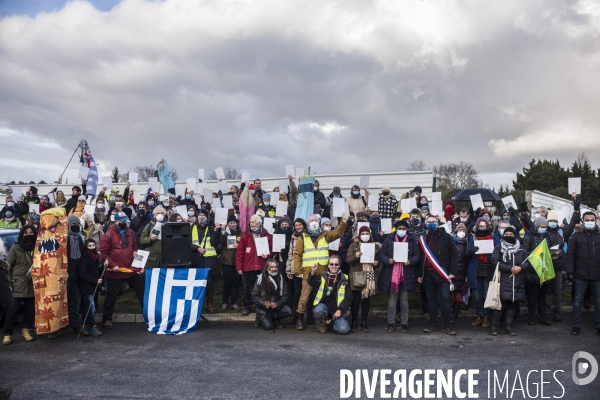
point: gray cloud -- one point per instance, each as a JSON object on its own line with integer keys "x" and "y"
{"x": 343, "y": 87}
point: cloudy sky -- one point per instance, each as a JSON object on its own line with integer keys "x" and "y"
{"x": 343, "y": 86}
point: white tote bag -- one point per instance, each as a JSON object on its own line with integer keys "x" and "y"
{"x": 492, "y": 300}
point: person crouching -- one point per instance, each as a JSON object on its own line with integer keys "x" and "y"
{"x": 270, "y": 295}
{"x": 333, "y": 298}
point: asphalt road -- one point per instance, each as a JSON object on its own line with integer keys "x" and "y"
{"x": 233, "y": 360}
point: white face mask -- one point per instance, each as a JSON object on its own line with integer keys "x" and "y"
{"x": 461, "y": 235}
{"x": 417, "y": 196}
{"x": 10, "y": 204}
{"x": 536, "y": 215}
{"x": 464, "y": 219}
{"x": 160, "y": 217}
{"x": 326, "y": 228}
{"x": 401, "y": 232}
{"x": 365, "y": 238}
{"x": 314, "y": 225}
{"x": 316, "y": 188}
{"x": 119, "y": 204}
{"x": 100, "y": 206}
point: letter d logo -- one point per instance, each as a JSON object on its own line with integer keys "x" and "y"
{"x": 584, "y": 367}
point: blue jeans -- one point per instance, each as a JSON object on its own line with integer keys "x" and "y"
{"x": 581, "y": 286}
{"x": 322, "y": 313}
{"x": 433, "y": 289}
{"x": 73, "y": 299}
{"x": 480, "y": 295}
{"x": 87, "y": 300}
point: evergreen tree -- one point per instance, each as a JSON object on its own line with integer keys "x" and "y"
{"x": 115, "y": 175}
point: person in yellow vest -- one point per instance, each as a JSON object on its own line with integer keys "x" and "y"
{"x": 204, "y": 251}
{"x": 333, "y": 298}
{"x": 312, "y": 248}
{"x": 10, "y": 220}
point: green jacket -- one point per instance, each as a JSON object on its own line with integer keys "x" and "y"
{"x": 20, "y": 262}
{"x": 14, "y": 224}
{"x": 155, "y": 249}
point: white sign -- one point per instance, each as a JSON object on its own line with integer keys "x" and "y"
{"x": 16, "y": 193}
{"x": 509, "y": 202}
{"x": 364, "y": 182}
{"x": 107, "y": 182}
{"x": 335, "y": 245}
{"x": 228, "y": 201}
{"x": 83, "y": 172}
{"x": 485, "y": 246}
{"x": 181, "y": 210}
{"x": 408, "y": 204}
{"x": 245, "y": 177}
{"x": 477, "y": 201}
{"x": 34, "y": 208}
{"x": 152, "y": 179}
{"x": 201, "y": 174}
{"x": 268, "y": 224}
{"x": 190, "y": 184}
{"x": 140, "y": 260}
{"x": 566, "y": 212}
{"x": 386, "y": 225}
{"x": 200, "y": 186}
{"x": 436, "y": 196}
{"x": 299, "y": 173}
{"x": 400, "y": 252}
{"x": 262, "y": 246}
{"x": 338, "y": 207}
{"x": 156, "y": 230}
{"x": 220, "y": 174}
{"x": 216, "y": 202}
{"x": 373, "y": 203}
{"x": 223, "y": 187}
{"x": 281, "y": 209}
{"x": 289, "y": 170}
{"x": 207, "y": 193}
{"x": 180, "y": 189}
{"x": 133, "y": 178}
{"x": 436, "y": 207}
{"x": 283, "y": 186}
{"x": 278, "y": 242}
{"x": 90, "y": 210}
{"x": 52, "y": 197}
{"x": 155, "y": 186}
{"x": 367, "y": 253}
{"x": 221, "y": 216}
{"x": 575, "y": 185}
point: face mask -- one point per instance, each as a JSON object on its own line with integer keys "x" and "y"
{"x": 326, "y": 228}
{"x": 464, "y": 219}
{"x": 187, "y": 196}
{"x": 552, "y": 225}
{"x": 423, "y": 202}
{"x": 191, "y": 213}
{"x": 179, "y": 220}
{"x": 74, "y": 228}
{"x": 273, "y": 273}
{"x": 589, "y": 225}
{"x": 112, "y": 218}
{"x": 160, "y": 217}
{"x": 501, "y": 231}
{"x": 486, "y": 218}
{"x": 461, "y": 235}
{"x": 29, "y": 238}
{"x": 415, "y": 221}
{"x": 385, "y": 192}
{"x": 510, "y": 239}
{"x": 151, "y": 203}
{"x": 100, "y": 206}
{"x": 536, "y": 215}
{"x": 166, "y": 203}
{"x": 252, "y": 191}
{"x": 316, "y": 189}
{"x": 314, "y": 225}
{"x": 91, "y": 250}
{"x": 401, "y": 233}
{"x": 542, "y": 231}
{"x": 202, "y": 220}
{"x": 119, "y": 204}
{"x": 432, "y": 226}
{"x": 417, "y": 195}
{"x": 142, "y": 212}
{"x": 424, "y": 215}
{"x": 365, "y": 238}
{"x": 10, "y": 204}
{"x": 267, "y": 203}
{"x": 356, "y": 193}
{"x": 112, "y": 198}
{"x": 506, "y": 218}
{"x": 122, "y": 225}
{"x": 8, "y": 214}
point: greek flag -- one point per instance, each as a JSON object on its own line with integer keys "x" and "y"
{"x": 173, "y": 299}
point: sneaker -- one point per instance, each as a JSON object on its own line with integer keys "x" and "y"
{"x": 7, "y": 339}
{"x": 403, "y": 328}
{"x": 448, "y": 331}
{"x": 431, "y": 329}
{"x": 235, "y": 307}
{"x": 85, "y": 331}
{"x": 322, "y": 329}
{"x": 246, "y": 311}
{"x": 107, "y": 324}
{"x": 224, "y": 307}
{"x": 390, "y": 328}
{"x": 576, "y": 330}
{"x": 94, "y": 331}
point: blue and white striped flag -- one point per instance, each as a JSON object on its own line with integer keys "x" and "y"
{"x": 173, "y": 299}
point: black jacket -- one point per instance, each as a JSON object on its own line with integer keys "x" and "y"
{"x": 137, "y": 225}
{"x": 531, "y": 240}
{"x": 583, "y": 254}
{"x": 444, "y": 250}
{"x": 260, "y": 296}
{"x": 387, "y": 252}
{"x": 462, "y": 264}
{"x": 320, "y": 200}
{"x": 512, "y": 287}
{"x": 88, "y": 272}
{"x": 72, "y": 202}
{"x": 72, "y": 264}
{"x": 6, "y": 297}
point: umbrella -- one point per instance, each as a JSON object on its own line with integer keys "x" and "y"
{"x": 486, "y": 194}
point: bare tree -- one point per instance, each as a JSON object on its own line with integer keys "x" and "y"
{"x": 418, "y": 165}
{"x": 124, "y": 178}
{"x": 583, "y": 158}
{"x": 454, "y": 176}
{"x": 230, "y": 174}
{"x": 144, "y": 172}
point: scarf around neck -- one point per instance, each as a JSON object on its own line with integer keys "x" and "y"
{"x": 509, "y": 250}
{"x": 398, "y": 271}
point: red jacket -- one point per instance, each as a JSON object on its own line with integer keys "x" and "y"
{"x": 246, "y": 258}
{"x": 110, "y": 248}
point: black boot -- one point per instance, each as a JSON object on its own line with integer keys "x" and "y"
{"x": 455, "y": 311}
{"x": 509, "y": 315}
{"x": 300, "y": 322}
{"x": 310, "y": 319}
{"x": 354, "y": 326}
{"x": 496, "y": 316}
{"x": 363, "y": 326}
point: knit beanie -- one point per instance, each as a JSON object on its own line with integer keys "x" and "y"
{"x": 73, "y": 219}
{"x": 364, "y": 229}
{"x": 540, "y": 221}
{"x": 552, "y": 216}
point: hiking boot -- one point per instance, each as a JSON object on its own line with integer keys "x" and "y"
{"x": 7, "y": 339}
{"x": 107, "y": 324}
{"x": 246, "y": 311}
{"x": 576, "y": 330}
{"x": 431, "y": 329}
{"x": 235, "y": 307}
{"x": 26, "y": 333}
{"x": 477, "y": 322}
{"x": 363, "y": 326}
{"x": 224, "y": 307}
{"x": 94, "y": 331}
{"x": 557, "y": 317}
{"x": 209, "y": 301}
{"x": 354, "y": 326}
{"x": 322, "y": 329}
{"x": 448, "y": 331}
{"x": 300, "y": 322}
{"x": 85, "y": 331}
{"x": 403, "y": 328}
{"x": 5, "y": 393}
{"x": 486, "y": 322}
{"x": 390, "y": 328}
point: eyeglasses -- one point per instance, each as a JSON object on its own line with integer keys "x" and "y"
{"x": 334, "y": 265}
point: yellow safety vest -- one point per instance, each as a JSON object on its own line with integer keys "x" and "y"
{"x": 312, "y": 255}
{"x": 210, "y": 251}
{"x": 340, "y": 294}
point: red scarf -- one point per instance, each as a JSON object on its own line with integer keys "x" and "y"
{"x": 93, "y": 256}
{"x": 483, "y": 257}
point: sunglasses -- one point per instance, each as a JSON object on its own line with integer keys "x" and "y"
{"x": 334, "y": 265}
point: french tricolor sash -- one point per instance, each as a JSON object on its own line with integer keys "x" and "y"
{"x": 436, "y": 264}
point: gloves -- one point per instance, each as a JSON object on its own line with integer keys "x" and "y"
{"x": 344, "y": 217}
{"x": 576, "y": 204}
{"x": 477, "y": 212}
{"x": 473, "y": 250}
{"x": 512, "y": 211}
{"x": 523, "y": 207}
{"x": 242, "y": 186}
{"x": 570, "y": 277}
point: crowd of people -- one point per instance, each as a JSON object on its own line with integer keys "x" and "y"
{"x": 318, "y": 277}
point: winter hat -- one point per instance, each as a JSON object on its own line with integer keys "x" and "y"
{"x": 282, "y": 220}
{"x": 325, "y": 219}
{"x": 461, "y": 227}
{"x": 383, "y": 189}
{"x": 418, "y": 189}
{"x": 337, "y": 190}
{"x": 45, "y": 197}
{"x": 552, "y": 216}
{"x": 425, "y": 208}
{"x": 73, "y": 219}
{"x": 540, "y": 221}
{"x": 362, "y": 214}
{"x": 82, "y": 197}
{"x": 120, "y": 216}
{"x": 203, "y": 211}
{"x": 266, "y": 196}
{"x": 364, "y": 229}
{"x": 171, "y": 191}
{"x": 251, "y": 186}
{"x": 400, "y": 223}
{"x": 510, "y": 229}
{"x": 484, "y": 211}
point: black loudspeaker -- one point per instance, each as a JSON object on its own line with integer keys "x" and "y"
{"x": 176, "y": 240}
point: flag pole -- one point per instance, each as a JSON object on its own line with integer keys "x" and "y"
{"x": 65, "y": 170}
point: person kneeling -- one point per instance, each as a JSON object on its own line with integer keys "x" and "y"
{"x": 270, "y": 295}
{"x": 333, "y": 298}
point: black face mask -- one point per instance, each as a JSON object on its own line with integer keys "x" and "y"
{"x": 93, "y": 251}
{"x": 75, "y": 228}
{"x": 29, "y": 239}
{"x": 122, "y": 225}
{"x": 510, "y": 239}
{"x": 483, "y": 232}
{"x": 286, "y": 230}
{"x": 385, "y": 192}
